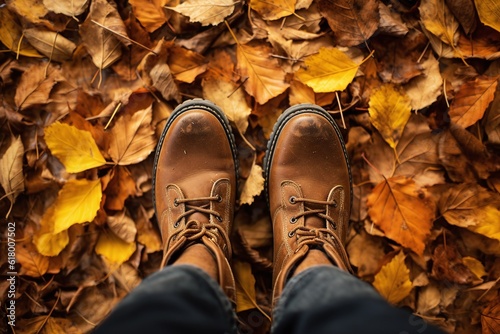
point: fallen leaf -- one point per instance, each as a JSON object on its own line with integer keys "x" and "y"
{"x": 150, "y": 13}
{"x": 490, "y": 318}
{"x": 245, "y": 294}
{"x": 132, "y": 137}
{"x": 352, "y": 21}
{"x": 448, "y": 266}
{"x": 32, "y": 263}
{"x": 266, "y": 78}
{"x": 273, "y": 9}
{"x": 393, "y": 280}
{"x": 122, "y": 226}
{"x": 390, "y": 110}
{"x": 69, "y": 8}
{"x": 185, "y": 64}
{"x": 472, "y": 99}
{"x": 489, "y": 12}
{"x": 390, "y": 21}
{"x": 365, "y": 253}
{"x": 35, "y": 85}
{"x": 121, "y": 186}
{"x": 465, "y": 13}
{"x": 114, "y": 249}
{"x": 51, "y": 44}
{"x": 48, "y": 243}
{"x": 11, "y": 170}
{"x": 426, "y": 88}
{"x": 75, "y": 148}
{"x": 492, "y": 121}
{"x": 328, "y": 71}
{"x": 146, "y": 233}
{"x": 475, "y": 266}
{"x": 31, "y": 10}
{"x": 253, "y": 185}
{"x": 438, "y": 19}
{"x": 403, "y": 211}
{"x": 11, "y": 34}
{"x": 207, "y": 13}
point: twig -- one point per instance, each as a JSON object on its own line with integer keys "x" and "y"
{"x": 125, "y": 37}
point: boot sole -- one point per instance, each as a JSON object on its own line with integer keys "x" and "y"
{"x": 280, "y": 123}
{"x": 214, "y": 110}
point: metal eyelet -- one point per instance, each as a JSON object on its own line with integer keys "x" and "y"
{"x": 175, "y": 202}
{"x": 219, "y": 218}
{"x": 293, "y": 200}
{"x": 291, "y": 234}
{"x": 219, "y": 198}
{"x": 176, "y": 224}
{"x": 293, "y": 220}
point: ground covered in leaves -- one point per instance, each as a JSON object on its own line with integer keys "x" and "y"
{"x": 87, "y": 86}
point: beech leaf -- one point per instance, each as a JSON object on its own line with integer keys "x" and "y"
{"x": 48, "y": 243}
{"x": 328, "y": 71}
{"x": 390, "y": 110}
{"x": 253, "y": 185}
{"x": 11, "y": 169}
{"x": 69, "y": 8}
{"x": 11, "y": 34}
{"x": 75, "y": 148}
{"x": 273, "y": 9}
{"x": 489, "y": 12}
{"x": 393, "y": 280}
{"x": 114, "y": 249}
{"x": 246, "y": 298}
{"x": 266, "y": 78}
{"x": 426, "y": 88}
{"x": 352, "y": 21}
{"x": 472, "y": 99}
{"x": 439, "y": 20}
{"x": 150, "y": 13}
{"x": 206, "y": 12}
{"x": 403, "y": 211}
{"x": 35, "y": 86}
{"x": 32, "y": 262}
{"x": 122, "y": 226}
{"x": 51, "y": 44}
{"x": 185, "y": 64}
{"x": 132, "y": 137}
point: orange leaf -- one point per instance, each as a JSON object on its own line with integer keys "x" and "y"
{"x": 32, "y": 262}
{"x": 403, "y": 211}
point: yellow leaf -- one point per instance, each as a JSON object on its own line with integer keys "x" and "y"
{"x": 150, "y": 13}
{"x": 393, "y": 280}
{"x": 403, "y": 211}
{"x": 70, "y": 8}
{"x": 489, "y": 12}
{"x": 475, "y": 266}
{"x": 273, "y": 9}
{"x": 206, "y": 12}
{"x": 75, "y": 148}
{"x": 253, "y": 185}
{"x": 389, "y": 110}
{"x": 77, "y": 203}
{"x": 114, "y": 249}
{"x": 185, "y": 64}
{"x": 245, "y": 294}
{"x": 30, "y": 10}
{"x": 132, "y": 137}
{"x": 329, "y": 70}
{"x": 32, "y": 262}
{"x": 439, "y": 20}
{"x": 11, "y": 34}
{"x": 266, "y": 78}
{"x": 489, "y": 223}
{"x": 50, "y": 244}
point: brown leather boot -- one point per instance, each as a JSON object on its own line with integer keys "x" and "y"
{"x": 308, "y": 186}
{"x": 195, "y": 177}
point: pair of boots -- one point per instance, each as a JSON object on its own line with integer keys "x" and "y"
{"x": 308, "y": 187}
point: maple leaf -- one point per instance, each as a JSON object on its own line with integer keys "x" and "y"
{"x": 273, "y": 9}
{"x": 389, "y": 111}
{"x": 114, "y": 249}
{"x": 245, "y": 295}
{"x": 253, "y": 185}
{"x": 71, "y": 8}
{"x": 472, "y": 99}
{"x": 11, "y": 35}
{"x": 207, "y": 13}
{"x": 393, "y": 280}
{"x": 75, "y": 148}
{"x": 51, "y": 44}
{"x": 266, "y": 78}
{"x": 489, "y": 12}
{"x": 352, "y": 21}
{"x": 328, "y": 71}
{"x": 132, "y": 137}
{"x": 150, "y": 13}
{"x": 403, "y": 211}
{"x": 11, "y": 171}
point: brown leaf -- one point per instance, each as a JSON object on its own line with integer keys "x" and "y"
{"x": 366, "y": 253}
{"x": 427, "y": 87}
{"x": 352, "y": 21}
{"x": 32, "y": 263}
{"x": 132, "y": 137}
{"x": 465, "y": 13}
{"x": 11, "y": 35}
{"x": 146, "y": 233}
{"x": 51, "y": 44}
{"x": 121, "y": 186}
{"x": 448, "y": 265}
{"x": 35, "y": 85}
{"x": 186, "y": 65}
{"x": 150, "y": 13}
{"x": 438, "y": 19}
{"x": 492, "y": 120}
{"x": 490, "y": 318}
{"x": 472, "y": 99}
{"x": 403, "y": 211}
{"x": 391, "y": 22}
{"x": 11, "y": 170}
{"x": 31, "y": 10}
{"x": 123, "y": 226}
{"x": 70, "y": 8}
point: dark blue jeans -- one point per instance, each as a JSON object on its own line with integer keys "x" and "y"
{"x": 320, "y": 300}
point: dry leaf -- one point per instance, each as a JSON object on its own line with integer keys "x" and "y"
{"x": 114, "y": 249}
{"x": 35, "y": 85}
{"x": 391, "y": 22}
{"x": 438, "y": 19}
{"x": 403, "y": 211}
{"x": 121, "y": 186}
{"x": 489, "y": 12}
{"x": 70, "y": 8}
{"x": 146, "y": 233}
{"x": 76, "y": 149}
{"x": 11, "y": 35}
{"x": 31, "y": 10}
{"x": 475, "y": 266}
{"x": 11, "y": 170}
{"x": 207, "y": 13}
{"x": 492, "y": 121}
{"x": 185, "y": 64}
{"x": 150, "y": 13}
{"x": 490, "y": 318}
{"x": 253, "y": 185}
{"x": 245, "y": 293}
{"x": 328, "y": 71}
{"x": 365, "y": 253}
{"x": 472, "y": 99}
{"x": 32, "y": 263}
{"x": 352, "y": 21}
{"x": 48, "y": 243}
{"x": 465, "y": 12}
{"x": 264, "y": 77}
{"x": 51, "y": 44}
{"x": 426, "y": 88}
{"x": 389, "y": 110}
{"x": 393, "y": 280}
{"x": 448, "y": 266}
{"x": 273, "y": 9}
{"x": 122, "y": 226}
{"x": 132, "y": 137}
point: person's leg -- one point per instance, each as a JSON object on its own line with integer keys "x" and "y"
{"x": 308, "y": 186}
{"x": 194, "y": 190}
